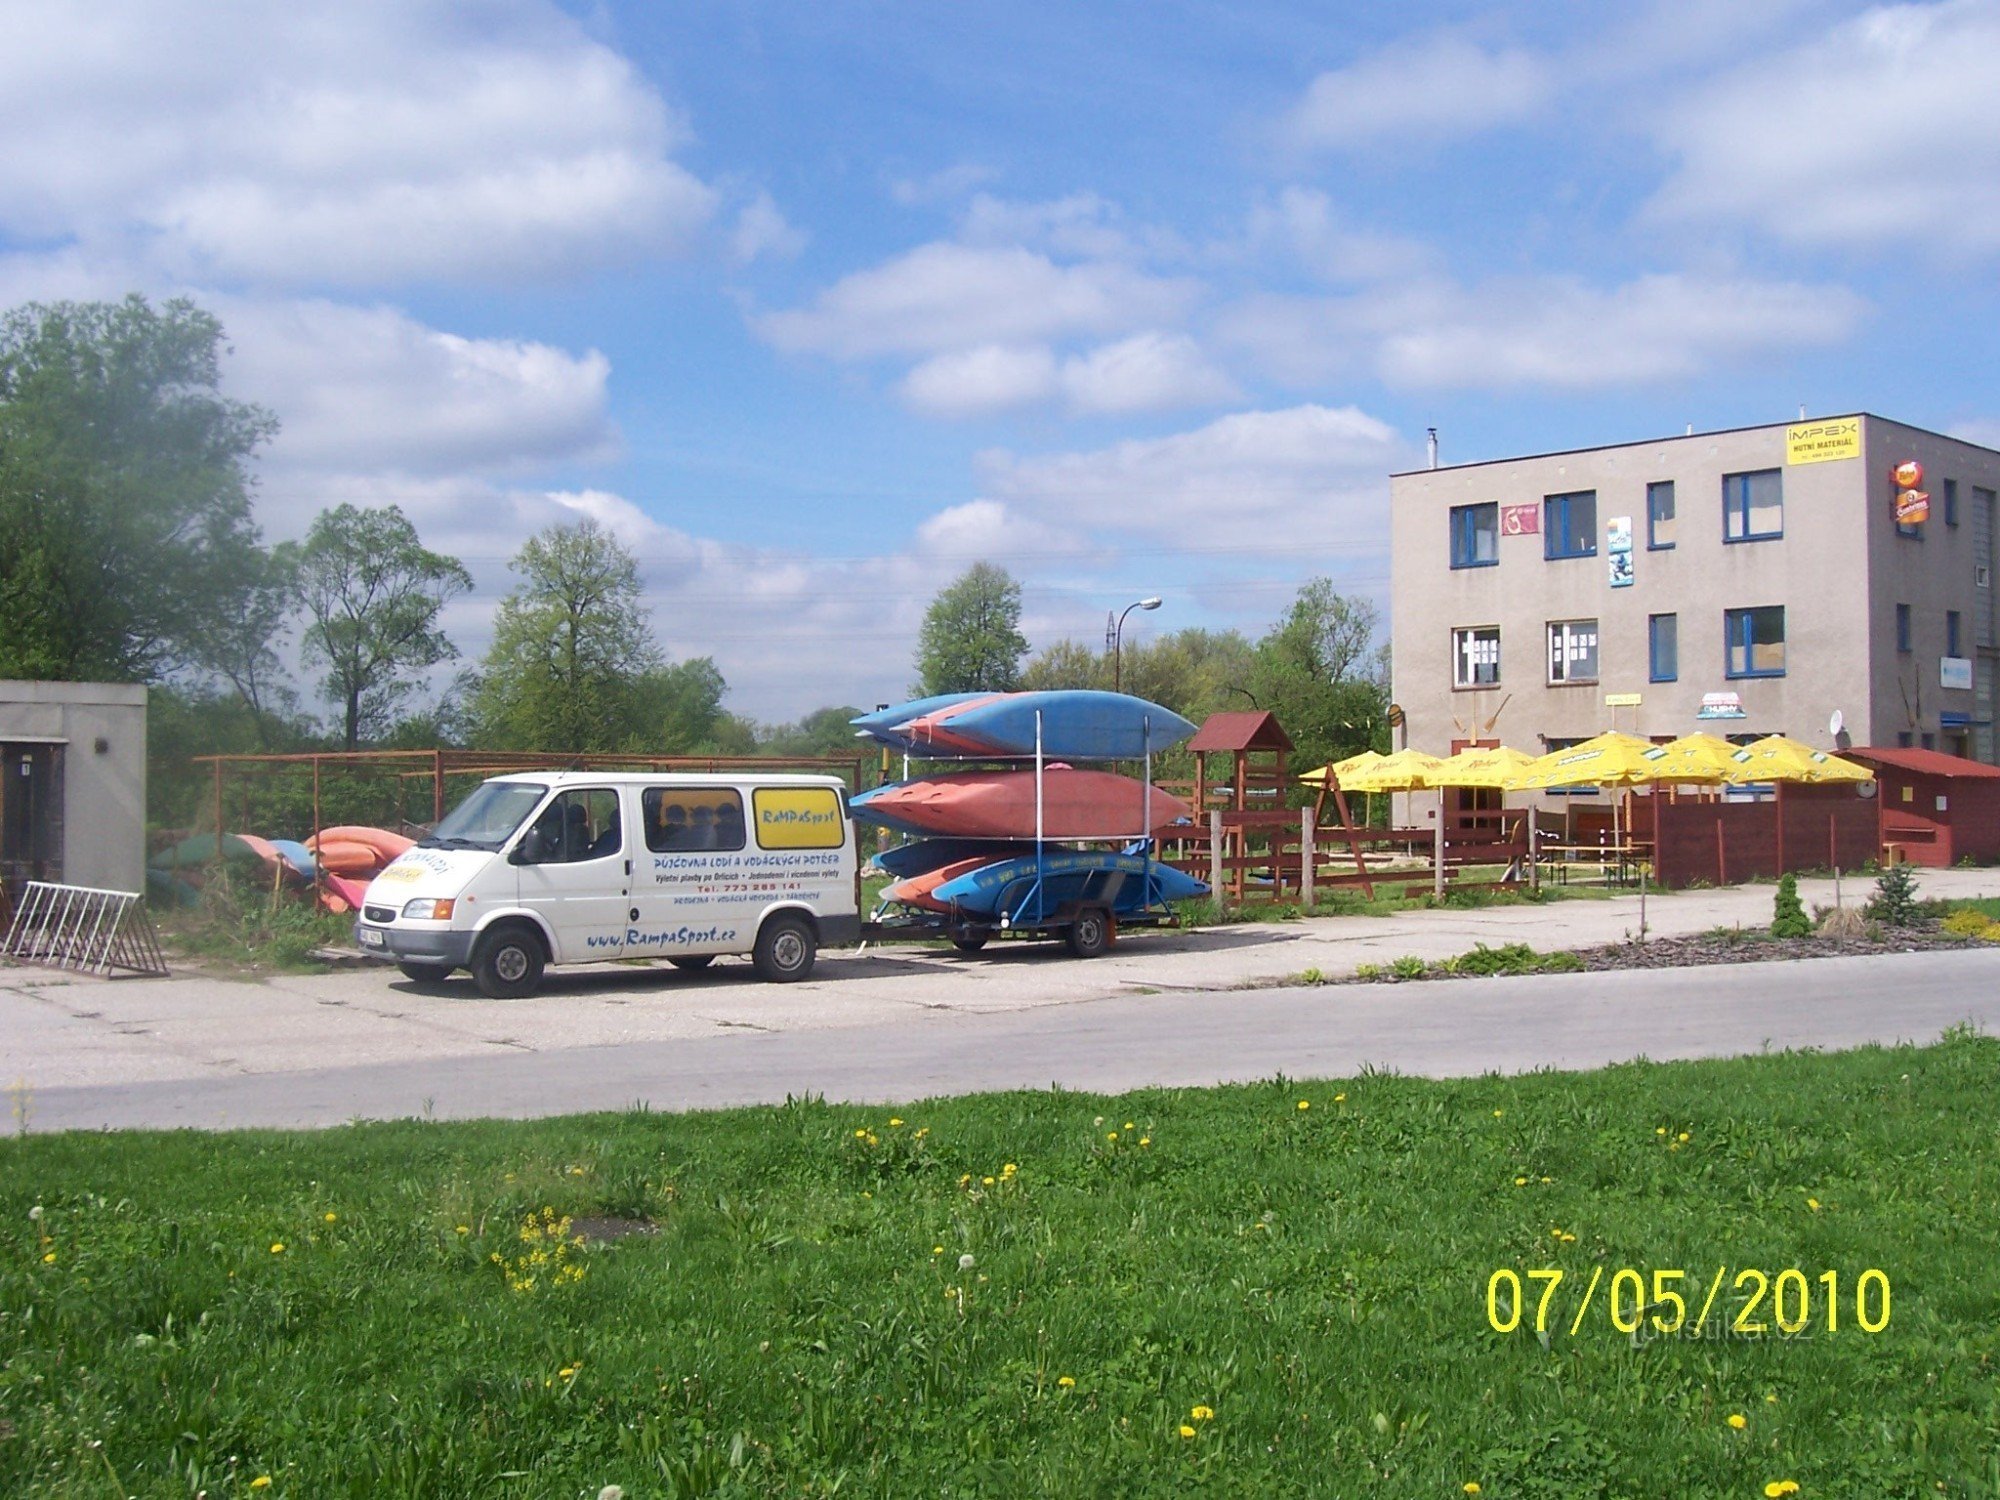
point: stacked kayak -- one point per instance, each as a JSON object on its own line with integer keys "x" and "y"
{"x": 990, "y": 840}
{"x": 341, "y": 860}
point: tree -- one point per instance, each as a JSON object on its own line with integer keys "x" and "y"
{"x": 571, "y": 647}
{"x": 373, "y": 593}
{"x": 680, "y": 711}
{"x": 824, "y": 731}
{"x": 1321, "y": 671}
{"x": 125, "y": 528}
{"x": 242, "y": 649}
{"x": 1194, "y": 672}
{"x": 971, "y": 640}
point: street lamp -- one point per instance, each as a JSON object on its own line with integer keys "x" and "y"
{"x": 1118, "y": 640}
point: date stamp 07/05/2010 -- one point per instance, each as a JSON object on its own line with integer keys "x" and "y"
{"x": 1671, "y": 1303}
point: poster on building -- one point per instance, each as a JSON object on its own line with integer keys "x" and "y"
{"x": 1720, "y": 706}
{"x": 1824, "y": 440}
{"x": 1520, "y": 520}
{"x": 1618, "y": 549}
{"x": 1913, "y": 507}
{"x": 1955, "y": 672}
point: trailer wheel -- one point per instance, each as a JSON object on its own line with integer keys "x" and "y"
{"x": 507, "y": 961}
{"x": 697, "y": 961}
{"x": 969, "y": 944}
{"x": 785, "y": 949}
{"x": 1089, "y": 936}
{"x": 425, "y": 973}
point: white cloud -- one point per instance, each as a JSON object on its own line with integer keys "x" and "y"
{"x": 392, "y": 140}
{"x": 1305, "y": 225}
{"x": 1880, "y": 132}
{"x": 1081, "y": 225}
{"x": 1305, "y": 479}
{"x": 1422, "y": 89}
{"x": 1148, "y": 372}
{"x": 368, "y": 389}
{"x": 1554, "y": 332}
{"x": 950, "y": 182}
{"x": 987, "y": 378}
{"x": 944, "y": 296}
{"x": 761, "y": 229}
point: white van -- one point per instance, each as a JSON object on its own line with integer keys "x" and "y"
{"x": 567, "y": 867}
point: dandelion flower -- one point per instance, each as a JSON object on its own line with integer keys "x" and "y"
{"x": 1498, "y": 1113}
{"x": 894, "y": 1123}
{"x": 1659, "y": 1130}
{"x": 1780, "y": 1487}
{"x": 261, "y": 1482}
{"x": 1145, "y": 1140}
{"x": 278, "y": 1247}
{"x": 49, "y": 1259}
{"x": 1471, "y": 1486}
{"x": 966, "y": 1263}
{"x": 1203, "y": 1414}
{"x": 465, "y": 1229}
{"x": 937, "y": 1249}
{"x": 1738, "y": 1420}
{"x": 1186, "y": 1431}
{"x": 332, "y": 1218}
{"x": 861, "y": 1135}
{"x": 1067, "y": 1382}
{"x": 1682, "y": 1137}
{"x": 35, "y": 1214}
{"x": 1128, "y": 1124}
{"x": 986, "y": 1182}
{"x": 1771, "y": 1397}
{"x": 1813, "y": 1204}
{"x": 1305, "y": 1104}
{"x": 1340, "y": 1098}
{"x": 611, "y": 1492}
{"x": 1520, "y": 1182}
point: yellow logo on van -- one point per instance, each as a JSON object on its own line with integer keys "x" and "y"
{"x": 798, "y": 817}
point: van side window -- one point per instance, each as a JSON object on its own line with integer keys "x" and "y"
{"x": 579, "y": 825}
{"x": 682, "y": 820}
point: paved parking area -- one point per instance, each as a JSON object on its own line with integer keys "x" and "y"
{"x": 59, "y": 1031}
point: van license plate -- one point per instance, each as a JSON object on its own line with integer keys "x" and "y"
{"x": 370, "y": 938}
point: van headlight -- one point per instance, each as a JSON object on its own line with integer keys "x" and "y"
{"x": 428, "y": 909}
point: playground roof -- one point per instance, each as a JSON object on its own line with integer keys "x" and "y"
{"x": 1248, "y": 730}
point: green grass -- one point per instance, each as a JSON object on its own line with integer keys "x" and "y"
{"x": 801, "y": 1324}
{"x": 243, "y": 928}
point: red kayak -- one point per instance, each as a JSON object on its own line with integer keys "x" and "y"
{"x": 1001, "y": 805}
{"x": 916, "y": 891}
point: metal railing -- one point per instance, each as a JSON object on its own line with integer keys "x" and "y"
{"x": 90, "y": 931}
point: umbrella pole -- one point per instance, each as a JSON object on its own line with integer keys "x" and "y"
{"x": 1437, "y": 852}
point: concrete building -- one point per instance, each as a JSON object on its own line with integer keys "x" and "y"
{"x": 73, "y": 784}
{"x": 1745, "y": 582}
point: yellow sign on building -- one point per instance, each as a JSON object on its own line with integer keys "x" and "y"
{"x": 1816, "y": 442}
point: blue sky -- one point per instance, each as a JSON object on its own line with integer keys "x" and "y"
{"x": 818, "y": 305}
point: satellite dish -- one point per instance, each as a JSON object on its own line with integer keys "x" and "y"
{"x": 1837, "y": 723}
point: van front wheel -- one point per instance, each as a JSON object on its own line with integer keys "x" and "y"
{"x": 507, "y": 961}
{"x": 785, "y": 949}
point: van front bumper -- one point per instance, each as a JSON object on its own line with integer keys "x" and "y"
{"x": 414, "y": 945}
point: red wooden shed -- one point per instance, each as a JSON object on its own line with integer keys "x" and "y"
{"x": 1937, "y": 808}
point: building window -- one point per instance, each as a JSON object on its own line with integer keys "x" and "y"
{"x": 1664, "y": 649}
{"x": 1475, "y": 535}
{"x": 1755, "y": 641}
{"x": 1903, "y": 628}
{"x": 1475, "y": 656}
{"x": 1569, "y": 525}
{"x": 1951, "y": 506}
{"x": 1903, "y": 738}
{"x": 1572, "y": 651}
{"x": 1929, "y": 740}
{"x": 1753, "y": 506}
{"x": 1951, "y": 640}
{"x": 1660, "y": 515}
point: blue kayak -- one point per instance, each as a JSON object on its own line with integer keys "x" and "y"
{"x": 925, "y": 855}
{"x": 1025, "y": 890}
{"x": 1075, "y": 724}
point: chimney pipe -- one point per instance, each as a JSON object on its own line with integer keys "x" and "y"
{"x": 1433, "y": 445}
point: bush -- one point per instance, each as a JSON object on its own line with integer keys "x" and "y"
{"x": 1512, "y": 958}
{"x": 1788, "y": 919}
{"x": 1971, "y": 922}
{"x": 1895, "y": 899}
{"x": 1843, "y": 924}
{"x": 1408, "y": 967}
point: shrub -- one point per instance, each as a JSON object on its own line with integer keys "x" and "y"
{"x": 1843, "y": 924}
{"x": 1788, "y": 919}
{"x": 1895, "y": 899}
{"x": 1367, "y": 971}
{"x": 1970, "y": 922}
{"x": 1409, "y": 966}
{"x": 1512, "y": 958}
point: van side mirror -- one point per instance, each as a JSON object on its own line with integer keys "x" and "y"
{"x": 522, "y": 853}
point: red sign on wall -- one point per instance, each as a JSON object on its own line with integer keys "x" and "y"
{"x": 1520, "y": 520}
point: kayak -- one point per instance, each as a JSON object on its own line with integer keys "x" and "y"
{"x": 1027, "y": 890}
{"x": 1002, "y": 805}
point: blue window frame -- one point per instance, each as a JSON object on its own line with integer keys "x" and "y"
{"x": 1903, "y": 629}
{"x": 1951, "y": 633}
{"x": 1664, "y": 647}
{"x": 1660, "y": 515}
{"x": 1552, "y": 746}
{"x": 1475, "y": 535}
{"x": 1951, "y": 507}
{"x": 1753, "y": 506}
{"x": 1754, "y": 641}
{"x": 1569, "y": 525}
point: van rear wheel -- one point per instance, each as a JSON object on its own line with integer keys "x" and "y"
{"x": 785, "y": 949}
{"x": 697, "y": 961}
{"x": 508, "y": 960}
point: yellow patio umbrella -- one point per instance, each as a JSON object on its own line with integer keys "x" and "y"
{"x": 1341, "y": 769}
{"x": 1699, "y": 759}
{"x": 1609, "y": 759}
{"x": 1405, "y": 771}
{"x": 1490, "y": 766}
{"x": 1778, "y": 758}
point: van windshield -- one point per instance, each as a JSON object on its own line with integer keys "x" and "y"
{"x": 485, "y": 819}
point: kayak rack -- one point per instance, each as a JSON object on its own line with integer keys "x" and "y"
{"x": 1087, "y": 924}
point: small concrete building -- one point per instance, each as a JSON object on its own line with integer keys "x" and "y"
{"x": 1746, "y": 583}
{"x": 73, "y": 784}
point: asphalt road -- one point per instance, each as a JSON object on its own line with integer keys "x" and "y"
{"x": 1114, "y": 1043}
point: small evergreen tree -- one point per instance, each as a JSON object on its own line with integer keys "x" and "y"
{"x": 1789, "y": 920}
{"x": 1895, "y": 899}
